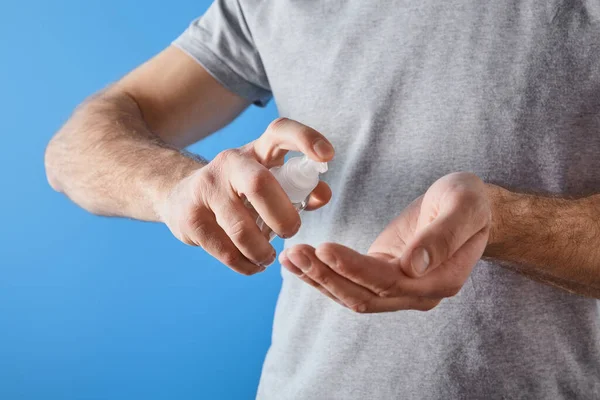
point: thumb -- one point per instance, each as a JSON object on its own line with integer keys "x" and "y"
{"x": 437, "y": 242}
{"x": 285, "y": 135}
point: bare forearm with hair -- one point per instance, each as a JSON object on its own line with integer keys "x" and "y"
{"x": 555, "y": 241}
{"x": 107, "y": 160}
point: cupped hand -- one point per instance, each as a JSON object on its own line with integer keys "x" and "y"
{"x": 424, "y": 255}
{"x": 207, "y": 208}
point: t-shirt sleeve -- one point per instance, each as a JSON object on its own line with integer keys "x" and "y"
{"x": 221, "y": 42}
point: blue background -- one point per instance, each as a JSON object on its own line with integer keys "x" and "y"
{"x": 98, "y": 308}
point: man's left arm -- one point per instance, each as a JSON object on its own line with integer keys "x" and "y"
{"x": 549, "y": 239}
{"x": 428, "y": 251}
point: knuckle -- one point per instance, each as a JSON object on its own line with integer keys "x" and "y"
{"x": 201, "y": 230}
{"x": 326, "y": 251}
{"x": 472, "y": 178}
{"x": 342, "y": 268}
{"x": 362, "y": 307}
{"x": 188, "y": 222}
{"x": 327, "y": 247}
{"x": 323, "y": 279}
{"x": 305, "y": 133}
{"x": 204, "y": 185}
{"x": 237, "y": 231}
{"x": 224, "y": 157}
{"x": 206, "y": 180}
{"x": 460, "y": 198}
{"x": 466, "y": 196}
{"x": 257, "y": 183}
{"x": 230, "y": 258}
{"x": 389, "y": 291}
{"x": 277, "y": 123}
{"x": 464, "y": 179}
{"x": 193, "y": 226}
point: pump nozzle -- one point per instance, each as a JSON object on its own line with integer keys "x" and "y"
{"x": 309, "y": 167}
{"x": 299, "y": 176}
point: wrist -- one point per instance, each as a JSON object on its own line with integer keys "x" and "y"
{"x": 507, "y": 208}
{"x": 162, "y": 187}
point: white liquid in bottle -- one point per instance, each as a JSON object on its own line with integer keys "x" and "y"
{"x": 298, "y": 177}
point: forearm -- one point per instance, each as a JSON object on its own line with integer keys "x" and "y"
{"x": 552, "y": 240}
{"x": 107, "y": 160}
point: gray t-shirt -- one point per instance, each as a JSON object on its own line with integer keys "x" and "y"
{"x": 408, "y": 91}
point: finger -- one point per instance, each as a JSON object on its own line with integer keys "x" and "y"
{"x": 262, "y": 190}
{"x": 381, "y": 304}
{"x": 293, "y": 269}
{"x": 439, "y": 240}
{"x": 382, "y": 274}
{"x": 378, "y": 273}
{"x": 319, "y": 196}
{"x": 350, "y": 294}
{"x": 235, "y": 220}
{"x": 213, "y": 239}
{"x": 355, "y": 297}
{"x": 448, "y": 279}
{"x": 285, "y": 261}
{"x": 321, "y": 289}
{"x": 285, "y": 134}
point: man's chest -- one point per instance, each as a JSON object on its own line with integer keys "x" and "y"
{"x": 443, "y": 85}
{"x": 356, "y": 52}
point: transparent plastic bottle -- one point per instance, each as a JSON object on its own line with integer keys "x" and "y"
{"x": 298, "y": 177}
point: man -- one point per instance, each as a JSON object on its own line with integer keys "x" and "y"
{"x": 408, "y": 93}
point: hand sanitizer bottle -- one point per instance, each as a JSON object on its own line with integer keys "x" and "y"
{"x": 298, "y": 177}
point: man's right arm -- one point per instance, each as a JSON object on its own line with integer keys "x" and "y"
{"x": 120, "y": 155}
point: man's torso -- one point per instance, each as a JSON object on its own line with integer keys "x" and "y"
{"x": 408, "y": 92}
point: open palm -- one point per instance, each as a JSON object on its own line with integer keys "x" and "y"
{"x": 424, "y": 255}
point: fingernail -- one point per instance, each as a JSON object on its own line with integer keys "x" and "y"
{"x": 300, "y": 261}
{"x": 322, "y": 148}
{"x": 420, "y": 260}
